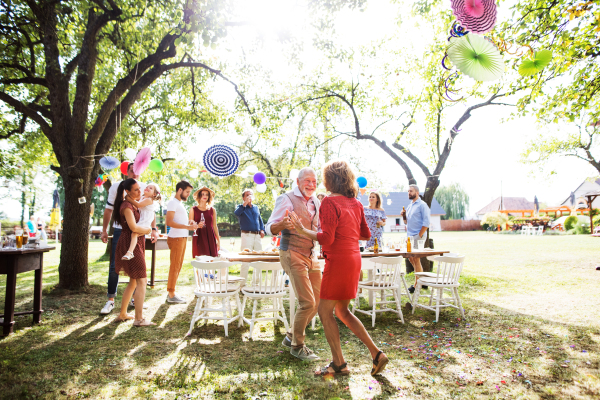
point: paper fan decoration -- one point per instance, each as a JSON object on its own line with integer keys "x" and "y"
{"x": 221, "y": 160}
{"x": 142, "y": 160}
{"x": 540, "y": 61}
{"x": 476, "y": 16}
{"x": 107, "y": 163}
{"x": 476, "y": 57}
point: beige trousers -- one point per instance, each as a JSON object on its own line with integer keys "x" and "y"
{"x": 177, "y": 248}
{"x": 305, "y": 277}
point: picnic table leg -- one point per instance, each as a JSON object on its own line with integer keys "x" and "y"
{"x": 9, "y": 302}
{"x": 37, "y": 292}
{"x": 153, "y": 267}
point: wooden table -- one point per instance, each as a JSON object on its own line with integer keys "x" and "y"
{"x": 246, "y": 259}
{"x": 13, "y": 262}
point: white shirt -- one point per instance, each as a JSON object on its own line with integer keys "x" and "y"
{"x": 283, "y": 203}
{"x": 180, "y": 217}
{"x": 112, "y": 196}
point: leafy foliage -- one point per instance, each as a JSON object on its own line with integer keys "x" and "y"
{"x": 454, "y": 200}
{"x": 571, "y": 222}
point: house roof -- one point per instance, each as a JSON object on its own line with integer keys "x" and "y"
{"x": 568, "y": 199}
{"x": 399, "y": 199}
{"x": 509, "y": 203}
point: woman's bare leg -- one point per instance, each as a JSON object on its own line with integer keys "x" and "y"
{"x": 354, "y": 324}
{"x": 134, "y": 238}
{"x": 138, "y": 297}
{"x": 332, "y": 332}
{"x": 126, "y": 297}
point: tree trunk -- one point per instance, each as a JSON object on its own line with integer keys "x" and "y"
{"x": 73, "y": 268}
{"x": 22, "y": 208}
{"x": 433, "y": 183}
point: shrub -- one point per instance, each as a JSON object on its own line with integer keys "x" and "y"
{"x": 494, "y": 219}
{"x": 582, "y": 229}
{"x": 570, "y": 222}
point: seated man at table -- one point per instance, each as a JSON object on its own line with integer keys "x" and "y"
{"x": 298, "y": 256}
{"x": 416, "y": 218}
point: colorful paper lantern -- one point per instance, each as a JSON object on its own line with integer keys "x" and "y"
{"x": 362, "y": 182}
{"x": 476, "y": 57}
{"x": 142, "y": 160}
{"x": 260, "y": 178}
{"x": 221, "y": 160}
{"x": 107, "y": 163}
{"x": 477, "y": 16}
{"x": 156, "y": 165}
{"x": 124, "y": 166}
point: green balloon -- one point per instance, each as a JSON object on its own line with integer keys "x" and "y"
{"x": 156, "y": 165}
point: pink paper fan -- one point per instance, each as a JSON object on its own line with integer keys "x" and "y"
{"x": 142, "y": 160}
{"x": 476, "y": 16}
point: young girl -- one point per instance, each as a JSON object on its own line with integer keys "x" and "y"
{"x": 147, "y": 211}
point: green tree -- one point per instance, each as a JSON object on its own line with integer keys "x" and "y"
{"x": 454, "y": 200}
{"x": 76, "y": 70}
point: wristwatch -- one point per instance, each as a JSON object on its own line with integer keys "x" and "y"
{"x": 153, "y": 229}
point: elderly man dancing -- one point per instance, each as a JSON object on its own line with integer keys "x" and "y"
{"x": 298, "y": 256}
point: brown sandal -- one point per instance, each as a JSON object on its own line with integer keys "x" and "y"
{"x": 379, "y": 365}
{"x": 337, "y": 370}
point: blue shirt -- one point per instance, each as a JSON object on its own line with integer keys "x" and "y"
{"x": 30, "y": 226}
{"x": 417, "y": 215}
{"x": 249, "y": 217}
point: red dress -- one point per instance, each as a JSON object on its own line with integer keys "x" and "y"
{"x": 205, "y": 244}
{"x": 342, "y": 224}
{"x": 136, "y": 267}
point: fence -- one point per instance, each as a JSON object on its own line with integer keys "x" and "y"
{"x": 461, "y": 225}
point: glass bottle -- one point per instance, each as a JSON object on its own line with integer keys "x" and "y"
{"x": 408, "y": 246}
{"x": 376, "y": 247}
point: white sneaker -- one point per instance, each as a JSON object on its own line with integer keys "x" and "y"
{"x": 132, "y": 304}
{"x": 108, "y": 307}
{"x": 176, "y": 299}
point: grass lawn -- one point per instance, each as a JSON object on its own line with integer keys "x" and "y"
{"x": 531, "y": 332}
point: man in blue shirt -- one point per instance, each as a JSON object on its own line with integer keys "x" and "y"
{"x": 251, "y": 223}
{"x": 416, "y": 219}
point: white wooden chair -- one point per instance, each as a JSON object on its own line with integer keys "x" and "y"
{"x": 540, "y": 230}
{"x": 387, "y": 276}
{"x": 212, "y": 281}
{"x": 268, "y": 282}
{"x": 525, "y": 230}
{"x": 447, "y": 276}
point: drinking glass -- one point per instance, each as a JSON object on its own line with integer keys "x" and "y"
{"x": 195, "y": 230}
{"x": 19, "y": 240}
{"x": 25, "y": 237}
{"x": 421, "y": 244}
{"x": 232, "y": 243}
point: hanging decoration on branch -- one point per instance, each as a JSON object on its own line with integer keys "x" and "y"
{"x": 142, "y": 160}
{"x": 221, "y": 160}
{"x": 124, "y": 167}
{"x": 362, "y": 182}
{"x": 108, "y": 162}
{"x": 476, "y": 57}
{"x": 445, "y": 89}
{"x": 156, "y": 165}
{"x": 129, "y": 153}
{"x": 536, "y": 64}
{"x": 261, "y": 188}
{"x": 507, "y": 47}
{"x": 260, "y": 178}
{"x": 477, "y": 16}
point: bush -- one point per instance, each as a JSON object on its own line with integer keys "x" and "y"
{"x": 571, "y": 222}
{"x": 582, "y": 229}
{"x": 494, "y": 219}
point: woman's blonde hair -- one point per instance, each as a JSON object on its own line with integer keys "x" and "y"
{"x": 339, "y": 178}
{"x": 156, "y": 196}
{"x": 378, "y": 202}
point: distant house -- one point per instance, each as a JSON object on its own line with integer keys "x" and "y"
{"x": 394, "y": 208}
{"x": 506, "y": 203}
{"x": 586, "y": 187}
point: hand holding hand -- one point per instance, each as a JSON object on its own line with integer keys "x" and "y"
{"x": 296, "y": 222}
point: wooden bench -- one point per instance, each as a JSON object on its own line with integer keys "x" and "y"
{"x": 398, "y": 228}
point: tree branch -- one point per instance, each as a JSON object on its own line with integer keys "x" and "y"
{"x": 25, "y": 110}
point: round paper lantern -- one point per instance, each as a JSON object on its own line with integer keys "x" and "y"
{"x": 252, "y": 169}
{"x": 194, "y": 174}
{"x": 124, "y": 166}
{"x": 221, "y": 160}
{"x": 260, "y": 178}
{"x": 108, "y": 163}
{"x": 156, "y": 165}
{"x": 130, "y": 153}
{"x": 294, "y": 174}
{"x": 362, "y": 182}
{"x": 261, "y": 188}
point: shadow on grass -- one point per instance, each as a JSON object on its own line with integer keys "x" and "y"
{"x": 81, "y": 353}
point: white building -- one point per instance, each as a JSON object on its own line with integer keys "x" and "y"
{"x": 588, "y": 186}
{"x": 392, "y": 204}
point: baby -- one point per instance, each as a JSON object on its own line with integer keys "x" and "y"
{"x": 147, "y": 211}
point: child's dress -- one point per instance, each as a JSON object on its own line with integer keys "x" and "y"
{"x": 146, "y": 215}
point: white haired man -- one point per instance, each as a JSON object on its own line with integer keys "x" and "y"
{"x": 416, "y": 219}
{"x": 298, "y": 256}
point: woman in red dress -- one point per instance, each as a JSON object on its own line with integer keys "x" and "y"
{"x": 127, "y": 217}
{"x": 208, "y": 242}
{"x": 343, "y": 224}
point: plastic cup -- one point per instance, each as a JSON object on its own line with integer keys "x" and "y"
{"x": 421, "y": 244}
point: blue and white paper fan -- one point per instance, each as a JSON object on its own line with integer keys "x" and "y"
{"x": 108, "y": 163}
{"x": 221, "y": 160}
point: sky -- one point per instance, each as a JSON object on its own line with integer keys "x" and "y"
{"x": 486, "y": 155}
